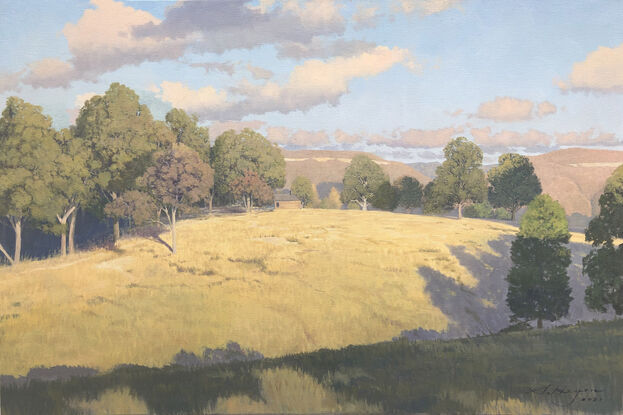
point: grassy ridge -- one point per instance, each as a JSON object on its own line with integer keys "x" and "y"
{"x": 278, "y": 282}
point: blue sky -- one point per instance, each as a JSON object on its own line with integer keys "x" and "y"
{"x": 397, "y": 77}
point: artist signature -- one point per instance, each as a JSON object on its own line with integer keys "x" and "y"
{"x": 575, "y": 394}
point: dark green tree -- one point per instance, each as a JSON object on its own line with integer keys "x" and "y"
{"x": 121, "y": 136}
{"x": 361, "y": 180}
{"x": 233, "y": 154}
{"x": 538, "y": 281}
{"x": 604, "y": 265}
{"x": 513, "y": 183}
{"x": 305, "y": 190}
{"x": 187, "y": 132}
{"x": 27, "y": 152}
{"x": 460, "y": 179}
{"x": 386, "y": 197}
{"x": 410, "y": 193}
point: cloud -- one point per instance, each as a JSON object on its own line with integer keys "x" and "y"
{"x": 217, "y": 128}
{"x": 426, "y": 7}
{"x": 221, "y": 25}
{"x": 10, "y": 81}
{"x": 506, "y": 109}
{"x": 299, "y": 138}
{"x": 259, "y": 73}
{"x": 102, "y": 41}
{"x": 587, "y": 138}
{"x": 546, "y": 108}
{"x": 415, "y": 138}
{"x": 533, "y": 138}
{"x": 320, "y": 48}
{"x": 365, "y": 16}
{"x": 73, "y": 113}
{"x": 345, "y": 138}
{"x": 312, "y": 83}
{"x": 226, "y": 67}
{"x": 194, "y": 101}
{"x": 601, "y": 71}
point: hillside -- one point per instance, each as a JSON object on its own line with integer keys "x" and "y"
{"x": 277, "y": 282}
{"x": 576, "y": 177}
{"x": 325, "y": 168}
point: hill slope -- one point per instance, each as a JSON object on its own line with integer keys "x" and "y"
{"x": 277, "y": 282}
{"x": 326, "y": 168}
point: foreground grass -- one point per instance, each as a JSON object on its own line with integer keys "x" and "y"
{"x": 279, "y": 282}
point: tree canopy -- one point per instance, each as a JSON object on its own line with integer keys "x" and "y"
{"x": 251, "y": 189}
{"x": 513, "y": 183}
{"x": 545, "y": 219}
{"x": 460, "y": 179}
{"x": 361, "y": 180}
{"x": 304, "y": 189}
{"x": 187, "y": 132}
{"x": 386, "y": 197}
{"x": 410, "y": 192}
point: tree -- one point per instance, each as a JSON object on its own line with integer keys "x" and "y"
{"x": 432, "y": 201}
{"x": 604, "y": 265}
{"x": 26, "y": 164}
{"x": 250, "y": 188}
{"x": 410, "y": 193}
{"x": 386, "y": 197}
{"x": 177, "y": 179}
{"x": 234, "y": 154}
{"x": 304, "y": 189}
{"x": 361, "y": 180}
{"x": 121, "y": 136}
{"x": 460, "y": 179}
{"x": 133, "y": 204}
{"x": 333, "y": 200}
{"x": 538, "y": 281}
{"x": 187, "y": 132}
{"x": 513, "y": 183}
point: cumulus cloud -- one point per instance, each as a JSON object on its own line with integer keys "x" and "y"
{"x": 416, "y": 138}
{"x": 601, "y": 71}
{"x": 72, "y": 113}
{"x": 322, "y": 48}
{"x": 365, "y": 16}
{"x": 345, "y": 138}
{"x": 102, "y": 41}
{"x": 587, "y": 138}
{"x": 217, "y": 128}
{"x": 426, "y": 7}
{"x": 225, "y": 67}
{"x": 546, "y": 108}
{"x": 10, "y": 81}
{"x": 505, "y": 138}
{"x": 222, "y": 25}
{"x": 196, "y": 101}
{"x": 506, "y": 109}
{"x": 299, "y": 138}
{"x": 259, "y": 73}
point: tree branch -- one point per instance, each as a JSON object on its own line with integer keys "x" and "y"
{"x": 6, "y": 254}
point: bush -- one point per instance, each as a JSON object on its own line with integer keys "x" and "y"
{"x": 484, "y": 210}
{"x": 353, "y": 206}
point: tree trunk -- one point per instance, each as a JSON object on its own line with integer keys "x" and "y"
{"x": 513, "y": 211}
{"x": 210, "y": 198}
{"x": 364, "y": 206}
{"x": 17, "y": 227}
{"x": 173, "y": 236}
{"x": 64, "y": 243}
{"x": 116, "y": 232}
{"x": 460, "y": 210}
{"x": 72, "y": 232}
{"x": 539, "y": 323}
{"x": 6, "y": 254}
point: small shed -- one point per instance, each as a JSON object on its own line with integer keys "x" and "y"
{"x": 286, "y": 200}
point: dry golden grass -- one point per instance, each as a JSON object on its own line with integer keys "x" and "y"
{"x": 278, "y": 282}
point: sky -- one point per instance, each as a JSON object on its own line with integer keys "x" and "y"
{"x": 399, "y": 78}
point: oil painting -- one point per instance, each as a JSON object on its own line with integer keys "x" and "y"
{"x": 311, "y": 207}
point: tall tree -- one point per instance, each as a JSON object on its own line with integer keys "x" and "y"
{"x": 233, "y": 154}
{"x": 187, "y": 132}
{"x": 410, "y": 192}
{"x": 538, "y": 281}
{"x": 177, "y": 180}
{"x": 604, "y": 265}
{"x": 305, "y": 190}
{"x": 251, "y": 189}
{"x": 386, "y": 197}
{"x": 460, "y": 179}
{"x": 120, "y": 134}
{"x": 362, "y": 179}
{"x": 513, "y": 183}
{"x": 26, "y": 163}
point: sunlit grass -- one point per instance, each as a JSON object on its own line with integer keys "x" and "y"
{"x": 278, "y": 282}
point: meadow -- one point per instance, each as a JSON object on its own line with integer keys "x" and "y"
{"x": 278, "y": 282}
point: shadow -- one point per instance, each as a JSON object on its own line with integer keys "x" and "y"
{"x": 324, "y": 188}
{"x": 153, "y": 234}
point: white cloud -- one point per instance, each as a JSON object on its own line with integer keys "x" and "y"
{"x": 193, "y": 101}
{"x": 601, "y": 71}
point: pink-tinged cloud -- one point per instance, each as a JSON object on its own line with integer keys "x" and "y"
{"x": 345, "y": 138}
{"x": 587, "y": 138}
{"x": 415, "y": 138}
{"x": 365, "y": 16}
{"x": 506, "y": 109}
{"x": 601, "y": 71}
{"x": 530, "y": 139}
{"x": 299, "y": 138}
{"x": 217, "y": 128}
{"x": 426, "y": 7}
{"x": 546, "y": 108}
{"x": 10, "y": 81}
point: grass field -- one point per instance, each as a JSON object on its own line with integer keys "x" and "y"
{"x": 277, "y": 282}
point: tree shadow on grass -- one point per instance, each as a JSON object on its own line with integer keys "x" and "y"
{"x": 153, "y": 234}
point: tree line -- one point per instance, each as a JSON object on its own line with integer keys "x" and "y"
{"x": 118, "y": 162}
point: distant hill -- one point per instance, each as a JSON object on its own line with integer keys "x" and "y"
{"x": 325, "y": 168}
{"x": 576, "y": 177}
{"x": 429, "y": 168}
